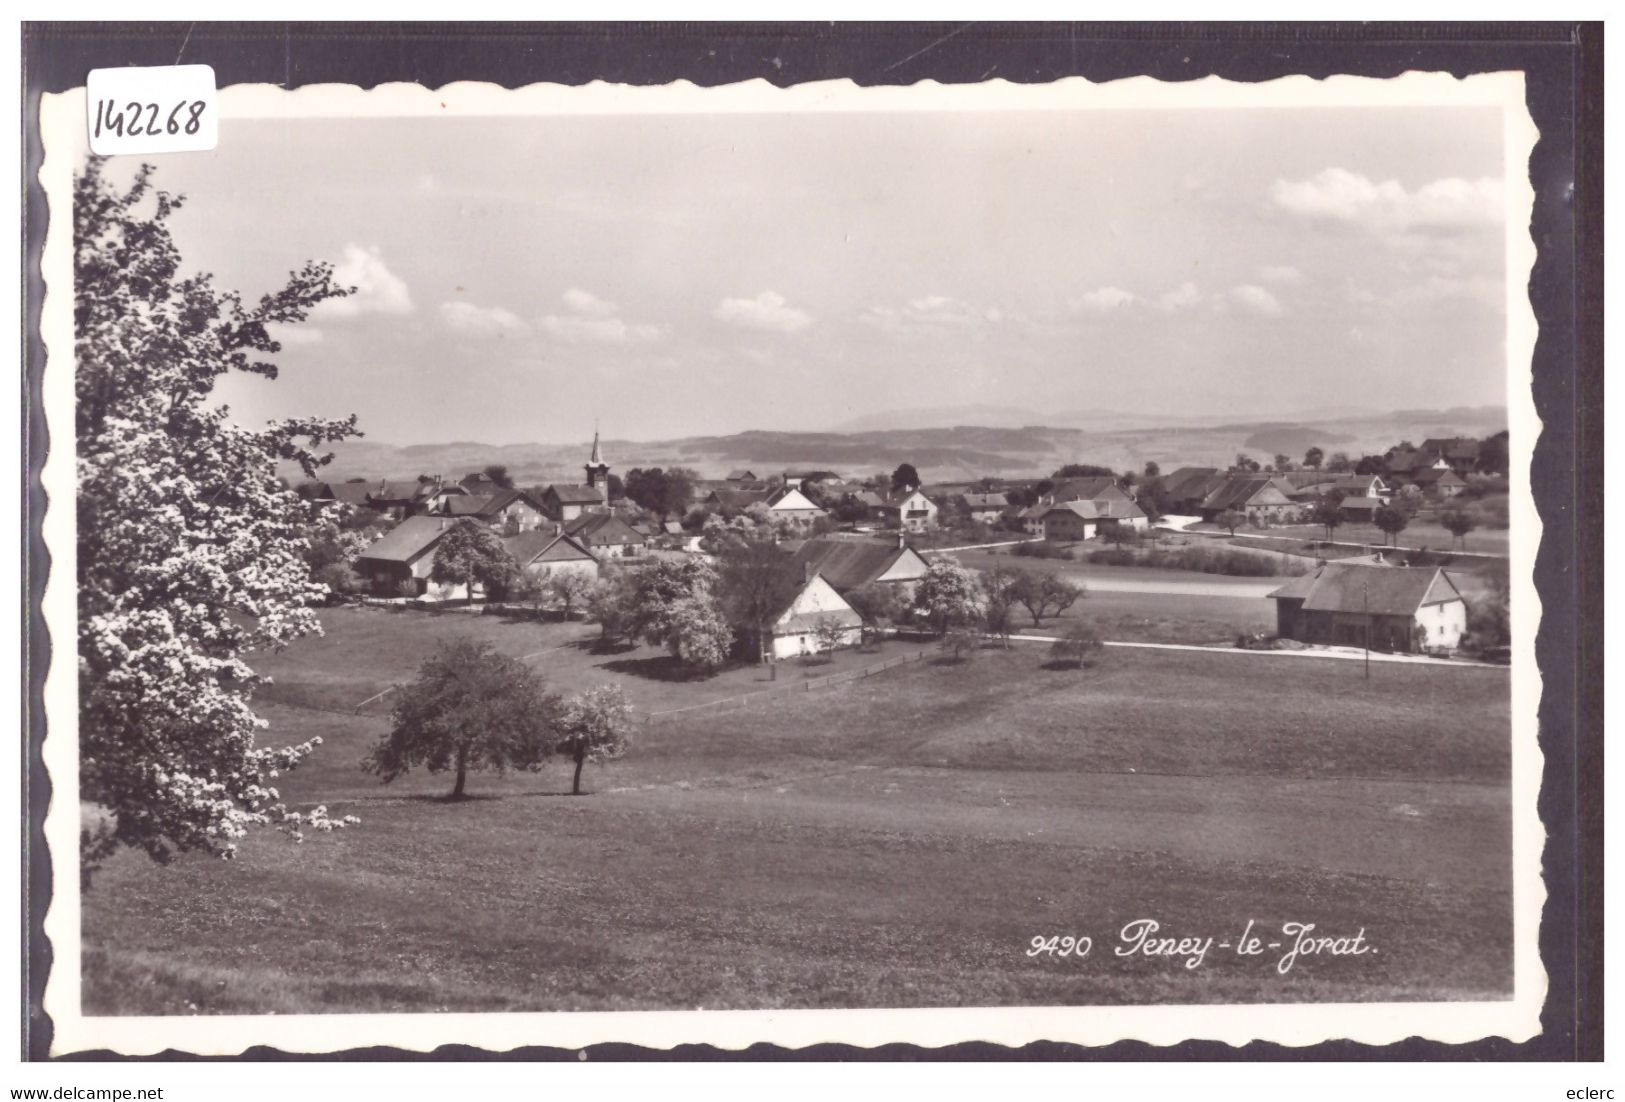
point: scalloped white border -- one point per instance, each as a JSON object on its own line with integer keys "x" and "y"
{"x": 63, "y": 132}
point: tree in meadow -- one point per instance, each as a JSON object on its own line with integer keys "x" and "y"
{"x": 469, "y": 708}
{"x": 191, "y": 553}
{"x": 1076, "y": 646}
{"x": 1392, "y": 520}
{"x": 948, "y": 596}
{"x": 1313, "y": 458}
{"x": 571, "y": 589}
{"x": 594, "y": 726}
{"x": 1230, "y": 520}
{"x": 1458, "y": 522}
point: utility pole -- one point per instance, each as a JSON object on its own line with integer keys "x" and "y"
{"x": 1365, "y": 602}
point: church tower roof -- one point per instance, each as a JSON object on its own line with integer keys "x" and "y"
{"x": 597, "y": 458}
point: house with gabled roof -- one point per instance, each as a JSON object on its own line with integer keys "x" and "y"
{"x": 607, "y": 536}
{"x": 1440, "y": 483}
{"x": 565, "y": 501}
{"x": 907, "y": 508}
{"x": 795, "y": 508}
{"x": 849, "y": 563}
{"x": 1085, "y": 519}
{"x": 1187, "y": 487}
{"x": 1408, "y": 609}
{"x": 399, "y": 562}
{"x": 1261, "y": 498}
{"x": 1460, "y": 452}
{"x": 509, "y": 510}
{"x": 987, "y": 506}
{"x": 794, "y": 628}
{"x": 550, "y": 551}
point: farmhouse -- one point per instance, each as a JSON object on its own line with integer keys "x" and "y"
{"x": 1262, "y": 499}
{"x": 607, "y": 536}
{"x": 1405, "y": 609}
{"x": 795, "y": 628}
{"x": 510, "y": 510}
{"x": 1440, "y": 483}
{"x": 399, "y": 562}
{"x": 1188, "y": 487}
{"x": 1082, "y": 520}
{"x": 849, "y": 564}
{"x": 567, "y": 501}
{"x": 985, "y": 507}
{"x": 1359, "y": 509}
{"x": 794, "y": 508}
{"x": 550, "y": 551}
{"x": 907, "y": 509}
{"x": 1459, "y": 452}
{"x": 742, "y": 474}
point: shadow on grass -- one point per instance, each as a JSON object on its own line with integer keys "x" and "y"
{"x": 660, "y": 667}
{"x": 1068, "y": 666}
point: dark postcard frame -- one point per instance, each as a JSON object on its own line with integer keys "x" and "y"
{"x": 1563, "y": 66}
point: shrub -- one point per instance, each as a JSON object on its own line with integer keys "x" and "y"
{"x": 1042, "y": 549}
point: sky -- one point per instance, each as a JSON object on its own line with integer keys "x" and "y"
{"x": 520, "y": 279}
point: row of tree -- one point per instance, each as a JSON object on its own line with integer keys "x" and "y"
{"x": 473, "y": 708}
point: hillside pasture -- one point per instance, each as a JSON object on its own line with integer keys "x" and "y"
{"x": 896, "y": 842}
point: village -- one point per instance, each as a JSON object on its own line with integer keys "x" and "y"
{"x": 854, "y": 551}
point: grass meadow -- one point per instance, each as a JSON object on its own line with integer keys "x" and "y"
{"x": 890, "y": 842}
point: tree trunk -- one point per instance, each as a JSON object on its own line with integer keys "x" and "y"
{"x": 462, "y": 774}
{"x": 575, "y": 785}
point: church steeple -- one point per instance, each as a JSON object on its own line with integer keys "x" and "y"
{"x": 597, "y": 469}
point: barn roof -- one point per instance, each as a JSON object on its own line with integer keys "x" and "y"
{"x": 1378, "y": 589}
{"x": 847, "y": 563}
{"x": 545, "y": 545}
{"x": 1261, "y": 489}
{"x": 603, "y": 528}
{"x": 571, "y": 493}
{"x": 409, "y": 539}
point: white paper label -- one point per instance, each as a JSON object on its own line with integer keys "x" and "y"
{"x": 161, "y": 109}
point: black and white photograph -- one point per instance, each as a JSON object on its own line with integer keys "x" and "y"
{"x": 551, "y": 565}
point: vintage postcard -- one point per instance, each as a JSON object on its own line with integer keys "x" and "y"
{"x": 904, "y": 564}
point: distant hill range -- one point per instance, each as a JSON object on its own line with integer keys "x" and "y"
{"x": 941, "y": 452}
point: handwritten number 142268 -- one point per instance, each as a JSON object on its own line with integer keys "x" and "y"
{"x": 135, "y": 119}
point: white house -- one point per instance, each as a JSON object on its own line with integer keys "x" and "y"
{"x": 795, "y": 629}
{"x": 794, "y": 507}
{"x": 1393, "y": 608}
{"x": 908, "y": 509}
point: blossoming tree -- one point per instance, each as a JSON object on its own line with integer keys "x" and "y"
{"x": 593, "y": 726}
{"x": 191, "y": 553}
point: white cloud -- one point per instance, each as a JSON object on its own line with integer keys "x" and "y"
{"x": 585, "y": 302}
{"x": 377, "y": 289}
{"x": 933, "y": 313}
{"x": 1280, "y": 273}
{"x": 1105, "y": 299}
{"x": 1183, "y": 297}
{"x": 1252, "y": 297}
{"x": 768, "y": 311}
{"x": 593, "y": 320}
{"x": 1338, "y": 195}
{"x": 484, "y": 320}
